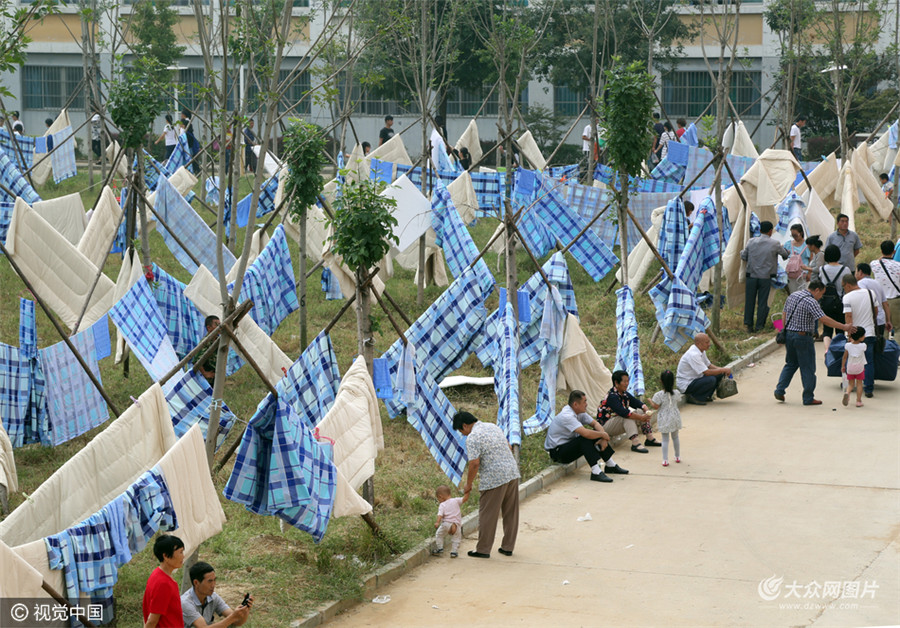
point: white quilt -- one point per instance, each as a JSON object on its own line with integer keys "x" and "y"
{"x": 60, "y": 274}
{"x": 101, "y": 229}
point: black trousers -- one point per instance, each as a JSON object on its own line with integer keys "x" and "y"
{"x": 576, "y": 448}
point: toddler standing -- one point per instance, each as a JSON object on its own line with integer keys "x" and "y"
{"x": 668, "y": 419}
{"x": 854, "y": 365}
{"x": 449, "y": 521}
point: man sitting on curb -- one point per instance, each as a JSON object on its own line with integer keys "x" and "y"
{"x": 697, "y": 377}
{"x": 621, "y": 412}
{"x": 573, "y": 433}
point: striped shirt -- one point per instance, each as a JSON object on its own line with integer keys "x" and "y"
{"x": 801, "y": 311}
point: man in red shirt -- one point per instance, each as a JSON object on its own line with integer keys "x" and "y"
{"x": 162, "y": 600}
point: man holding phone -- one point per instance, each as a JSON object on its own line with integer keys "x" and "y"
{"x": 200, "y": 604}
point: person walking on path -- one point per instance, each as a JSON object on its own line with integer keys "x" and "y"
{"x": 761, "y": 255}
{"x": 449, "y": 521}
{"x": 574, "y": 433}
{"x": 798, "y": 260}
{"x": 801, "y": 312}
{"x": 847, "y": 241}
{"x": 861, "y": 310}
{"x": 491, "y": 456}
{"x": 830, "y": 275}
{"x": 796, "y": 137}
{"x": 668, "y": 419}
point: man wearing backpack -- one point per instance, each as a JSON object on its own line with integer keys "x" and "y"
{"x": 886, "y": 271}
{"x": 761, "y": 255}
{"x": 830, "y": 274}
{"x": 801, "y": 313}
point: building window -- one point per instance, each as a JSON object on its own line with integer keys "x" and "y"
{"x": 467, "y": 102}
{"x": 688, "y": 93}
{"x": 52, "y": 87}
{"x": 190, "y": 83}
{"x": 567, "y": 102}
{"x": 291, "y": 96}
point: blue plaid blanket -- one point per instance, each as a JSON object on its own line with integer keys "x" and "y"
{"x": 690, "y": 135}
{"x": 24, "y": 155}
{"x": 269, "y": 282}
{"x": 444, "y": 333}
{"x": 564, "y": 173}
{"x": 180, "y": 156}
{"x": 266, "y": 201}
{"x": 311, "y": 384}
{"x": 628, "y": 351}
{"x": 451, "y": 234}
{"x": 668, "y": 171}
{"x": 90, "y": 553}
{"x": 27, "y": 329}
{"x": 679, "y": 315}
{"x": 506, "y": 378}
{"x": 183, "y": 321}
{"x": 138, "y": 318}
{"x": 13, "y": 179}
{"x": 488, "y": 190}
{"x": 62, "y": 159}
{"x": 17, "y": 409}
{"x": 698, "y": 158}
{"x": 148, "y": 509}
{"x": 587, "y": 202}
{"x": 189, "y": 397}
{"x": 282, "y": 470}
{"x": 552, "y": 327}
{"x": 755, "y": 228}
{"x": 432, "y": 417}
{"x": 531, "y": 345}
{"x": 642, "y": 206}
{"x": 153, "y": 170}
{"x": 190, "y": 229}
{"x": 551, "y": 210}
{"x": 74, "y": 404}
{"x": 650, "y": 185}
{"x": 674, "y": 233}
{"x": 678, "y": 155}
{"x": 6, "y": 211}
{"x": 535, "y": 234}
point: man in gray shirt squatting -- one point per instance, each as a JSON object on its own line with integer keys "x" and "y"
{"x": 573, "y": 433}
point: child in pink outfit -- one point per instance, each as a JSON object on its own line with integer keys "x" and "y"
{"x": 449, "y": 521}
{"x": 854, "y": 365}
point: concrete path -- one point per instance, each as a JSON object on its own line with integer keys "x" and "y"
{"x": 780, "y": 515}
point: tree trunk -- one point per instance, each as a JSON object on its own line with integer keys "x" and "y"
{"x": 302, "y": 280}
{"x": 138, "y": 188}
{"x": 623, "y": 226}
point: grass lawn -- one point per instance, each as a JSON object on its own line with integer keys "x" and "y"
{"x": 287, "y": 573}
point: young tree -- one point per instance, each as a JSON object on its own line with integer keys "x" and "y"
{"x": 849, "y": 55}
{"x": 790, "y": 20}
{"x": 363, "y": 233}
{"x": 304, "y": 154}
{"x": 626, "y": 109}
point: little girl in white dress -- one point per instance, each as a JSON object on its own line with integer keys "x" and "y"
{"x": 668, "y": 419}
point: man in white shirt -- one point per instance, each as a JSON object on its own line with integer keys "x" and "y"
{"x": 865, "y": 280}
{"x": 795, "y": 137}
{"x": 886, "y": 271}
{"x": 861, "y": 310}
{"x": 697, "y": 377}
{"x": 574, "y": 433}
{"x": 586, "y": 137}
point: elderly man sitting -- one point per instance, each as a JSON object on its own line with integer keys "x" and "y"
{"x": 573, "y": 433}
{"x": 697, "y": 377}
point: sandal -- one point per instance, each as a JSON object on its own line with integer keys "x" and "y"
{"x": 665, "y": 463}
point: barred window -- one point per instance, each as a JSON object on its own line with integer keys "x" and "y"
{"x": 568, "y": 102}
{"x": 468, "y": 102}
{"x": 51, "y": 87}
{"x": 687, "y": 93}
